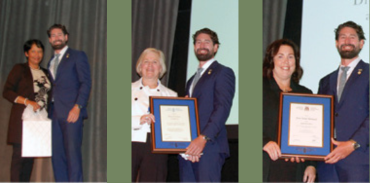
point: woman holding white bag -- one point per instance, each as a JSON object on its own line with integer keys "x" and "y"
{"x": 27, "y": 84}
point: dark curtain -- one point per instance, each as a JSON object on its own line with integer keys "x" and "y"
{"x": 179, "y": 60}
{"x": 273, "y": 21}
{"x": 153, "y": 25}
{"x": 86, "y": 21}
{"x": 293, "y": 21}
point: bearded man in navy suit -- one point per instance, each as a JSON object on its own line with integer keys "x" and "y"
{"x": 71, "y": 84}
{"x": 214, "y": 91}
{"x": 349, "y": 161}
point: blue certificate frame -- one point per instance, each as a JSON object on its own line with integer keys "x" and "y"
{"x": 305, "y": 125}
{"x": 176, "y": 123}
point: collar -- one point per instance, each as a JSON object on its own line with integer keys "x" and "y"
{"x": 207, "y": 64}
{"x": 275, "y": 86}
{"x": 353, "y": 64}
{"x": 138, "y": 85}
{"x": 62, "y": 52}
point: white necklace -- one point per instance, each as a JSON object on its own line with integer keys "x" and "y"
{"x": 35, "y": 69}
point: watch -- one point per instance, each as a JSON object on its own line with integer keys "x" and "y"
{"x": 205, "y": 137}
{"x": 79, "y": 106}
{"x": 355, "y": 144}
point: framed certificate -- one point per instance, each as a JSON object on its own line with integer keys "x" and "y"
{"x": 305, "y": 125}
{"x": 176, "y": 123}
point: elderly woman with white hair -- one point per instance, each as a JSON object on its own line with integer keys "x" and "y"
{"x": 146, "y": 166}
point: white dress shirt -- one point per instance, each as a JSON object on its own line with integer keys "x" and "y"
{"x": 140, "y": 106}
{"x": 51, "y": 67}
{"x": 205, "y": 67}
{"x": 351, "y": 66}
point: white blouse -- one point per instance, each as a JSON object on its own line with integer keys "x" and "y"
{"x": 41, "y": 85}
{"x": 140, "y": 106}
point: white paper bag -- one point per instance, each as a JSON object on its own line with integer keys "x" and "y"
{"x": 36, "y": 134}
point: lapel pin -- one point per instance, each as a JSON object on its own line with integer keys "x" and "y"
{"x": 210, "y": 71}
{"x": 359, "y": 71}
{"x": 67, "y": 55}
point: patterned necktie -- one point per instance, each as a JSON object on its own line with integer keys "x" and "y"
{"x": 196, "y": 78}
{"x": 342, "y": 81}
{"x": 56, "y": 63}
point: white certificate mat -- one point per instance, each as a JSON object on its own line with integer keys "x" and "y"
{"x": 306, "y": 122}
{"x": 175, "y": 123}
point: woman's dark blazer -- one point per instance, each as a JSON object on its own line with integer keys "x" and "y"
{"x": 19, "y": 83}
{"x": 271, "y": 100}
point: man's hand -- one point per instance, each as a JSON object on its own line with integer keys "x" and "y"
{"x": 196, "y": 148}
{"x": 343, "y": 149}
{"x": 73, "y": 115}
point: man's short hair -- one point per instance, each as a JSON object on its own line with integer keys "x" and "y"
{"x": 208, "y": 31}
{"x": 57, "y": 26}
{"x": 358, "y": 29}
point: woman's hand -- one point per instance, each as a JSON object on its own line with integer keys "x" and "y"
{"x": 273, "y": 150}
{"x": 147, "y": 118}
{"x": 33, "y": 104}
{"x": 309, "y": 174}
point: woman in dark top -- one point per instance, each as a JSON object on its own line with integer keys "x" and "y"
{"x": 27, "y": 84}
{"x": 281, "y": 73}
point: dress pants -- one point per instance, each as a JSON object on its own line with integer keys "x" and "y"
{"x": 341, "y": 172}
{"x": 21, "y": 168}
{"x": 208, "y": 169}
{"x": 66, "y": 148}
{"x": 147, "y": 166}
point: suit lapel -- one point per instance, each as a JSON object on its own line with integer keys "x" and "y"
{"x": 188, "y": 85}
{"x": 356, "y": 73}
{"x": 48, "y": 68}
{"x": 206, "y": 75}
{"x": 62, "y": 62}
{"x": 333, "y": 85}
{"x": 28, "y": 75}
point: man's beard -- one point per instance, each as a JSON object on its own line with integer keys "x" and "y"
{"x": 59, "y": 46}
{"x": 348, "y": 54}
{"x": 203, "y": 57}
